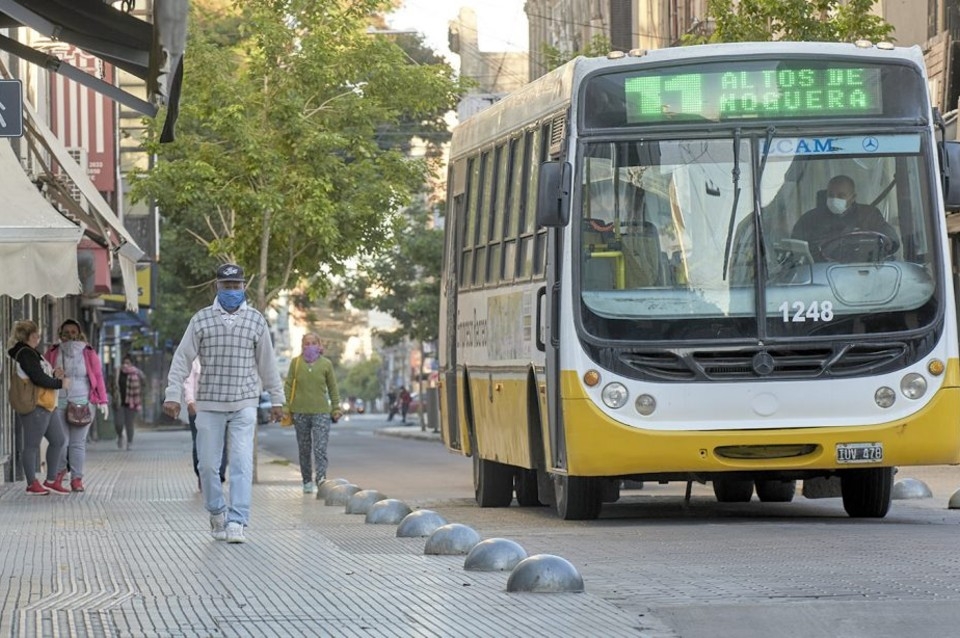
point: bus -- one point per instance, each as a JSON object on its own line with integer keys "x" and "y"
{"x": 723, "y": 263}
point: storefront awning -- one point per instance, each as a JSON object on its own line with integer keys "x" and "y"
{"x": 38, "y": 245}
{"x": 112, "y": 229}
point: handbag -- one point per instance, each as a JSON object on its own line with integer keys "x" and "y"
{"x": 287, "y": 419}
{"x": 79, "y": 415}
{"x": 22, "y": 394}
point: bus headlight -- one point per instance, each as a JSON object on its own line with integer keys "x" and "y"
{"x": 913, "y": 386}
{"x": 645, "y": 404}
{"x": 614, "y": 395}
{"x": 885, "y": 397}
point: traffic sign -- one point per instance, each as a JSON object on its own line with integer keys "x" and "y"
{"x": 11, "y": 108}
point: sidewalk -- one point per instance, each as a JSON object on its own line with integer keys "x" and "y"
{"x": 132, "y": 556}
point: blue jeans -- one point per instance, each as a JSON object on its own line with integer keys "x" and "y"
{"x": 196, "y": 461}
{"x": 212, "y": 429}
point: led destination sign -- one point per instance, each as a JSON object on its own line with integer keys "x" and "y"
{"x": 744, "y": 94}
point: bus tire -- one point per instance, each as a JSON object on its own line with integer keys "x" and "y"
{"x": 867, "y": 492}
{"x": 525, "y": 486}
{"x": 577, "y": 498}
{"x": 776, "y": 491}
{"x": 731, "y": 490}
{"x": 492, "y": 482}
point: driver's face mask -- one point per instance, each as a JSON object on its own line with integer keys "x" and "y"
{"x": 837, "y": 205}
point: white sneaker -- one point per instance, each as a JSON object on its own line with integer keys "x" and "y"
{"x": 308, "y": 488}
{"x": 218, "y": 526}
{"x": 235, "y": 533}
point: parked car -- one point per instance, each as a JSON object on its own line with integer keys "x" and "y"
{"x": 263, "y": 410}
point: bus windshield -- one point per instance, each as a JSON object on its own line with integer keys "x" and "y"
{"x": 670, "y": 230}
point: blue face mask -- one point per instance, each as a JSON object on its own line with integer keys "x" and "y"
{"x": 230, "y": 300}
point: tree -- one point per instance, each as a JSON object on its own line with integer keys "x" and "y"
{"x": 280, "y": 162}
{"x": 362, "y": 380}
{"x": 403, "y": 282}
{"x": 796, "y": 20}
{"x": 553, "y": 57}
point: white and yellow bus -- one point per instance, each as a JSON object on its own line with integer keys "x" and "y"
{"x": 629, "y": 292}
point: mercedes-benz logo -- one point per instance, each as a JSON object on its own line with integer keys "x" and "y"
{"x": 870, "y": 144}
{"x": 763, "y": 363}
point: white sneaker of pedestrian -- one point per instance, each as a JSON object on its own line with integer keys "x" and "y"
{"x": 218, "y": 526}
{"x": 235, "y": 532}
{"x": 308, "y": 488}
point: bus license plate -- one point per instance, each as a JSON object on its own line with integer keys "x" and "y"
{"x": 859, "y": 452}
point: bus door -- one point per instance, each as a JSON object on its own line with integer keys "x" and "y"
{"x": 449, "y": 318}
{"x": 553, "y": 200}
{"x": 551, "y": 337}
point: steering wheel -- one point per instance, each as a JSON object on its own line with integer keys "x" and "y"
{"x": 858, "y": 245}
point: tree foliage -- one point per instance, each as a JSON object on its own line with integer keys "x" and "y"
{"x": 403, "y": 282}
{"x": 794, "y": 20}
{"x": 289, "y": 158}
{"x": 362, "y": 380}
{"x": 553, "y": 57}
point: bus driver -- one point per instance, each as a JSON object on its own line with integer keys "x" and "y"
{"x": 841, "y": 229}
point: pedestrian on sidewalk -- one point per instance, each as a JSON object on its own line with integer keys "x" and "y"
{"x": 392, "y": 407}
{"x": 40, "y": 420}
{"x": 313, "y": 404}
{"x": 236, "y": 355}
{"x": 190, "y": 398}
{"x": 405, "y": 399}
{"x": 82, "y": 367}
{"x": 130, "y": 384}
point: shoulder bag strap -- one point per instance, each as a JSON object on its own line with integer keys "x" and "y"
{"x": 293, "y": 388}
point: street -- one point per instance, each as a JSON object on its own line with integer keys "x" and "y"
{"x": 704, "y": 569}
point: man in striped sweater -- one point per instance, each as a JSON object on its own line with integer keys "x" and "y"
{"x": 233, "y": 343}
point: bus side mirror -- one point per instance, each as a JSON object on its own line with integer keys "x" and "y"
{"x": 553, "y": 194}
{"x": 950, "y": 167}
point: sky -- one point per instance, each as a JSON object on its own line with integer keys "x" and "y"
{"x": 502, "y": 23}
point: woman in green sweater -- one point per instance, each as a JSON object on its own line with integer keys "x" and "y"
{"x": 313, "y": 401}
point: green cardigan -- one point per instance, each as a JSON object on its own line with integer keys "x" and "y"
{"x": 314, "y": 384}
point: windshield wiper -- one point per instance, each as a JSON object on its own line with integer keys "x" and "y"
{"x": 761, "y": 246}
{"x": 736, "y": 201}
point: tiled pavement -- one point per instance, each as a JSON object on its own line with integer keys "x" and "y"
{"x": 132, "y": 556}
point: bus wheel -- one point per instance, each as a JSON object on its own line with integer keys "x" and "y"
{"x": 776, "y": 491}
{"x": 729, "y": 490}
{"x": 577, "y": 498}
{"x": 492, "y": 483}
{"x": 525, "y": 485}
{"x": 867, "y": 492}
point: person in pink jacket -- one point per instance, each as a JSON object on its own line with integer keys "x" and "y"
{"x": 82, "y": 366}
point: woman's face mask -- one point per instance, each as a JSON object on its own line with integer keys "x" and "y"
{"x": 72, "y": 348}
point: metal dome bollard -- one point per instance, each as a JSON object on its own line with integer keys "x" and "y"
{"x": 324, "y": 488}
{"x": 419, "y": 523}
{"x": 954, "y": 503}
{"x": 494, "y": 555}
{"x": 389, "y": 511}
{"x": 910, "y": 488}
{"x": 340, "y": 494}
{"x": 362, "y": 501}
{"x": 545, "y": 573}
{"x": 451, "y": 539}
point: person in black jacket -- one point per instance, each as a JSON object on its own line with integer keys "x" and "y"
{"x": 842, "y": 229}
{"x": 42, "y": 421}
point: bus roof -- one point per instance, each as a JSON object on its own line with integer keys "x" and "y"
{"x": 552, "y": 92}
